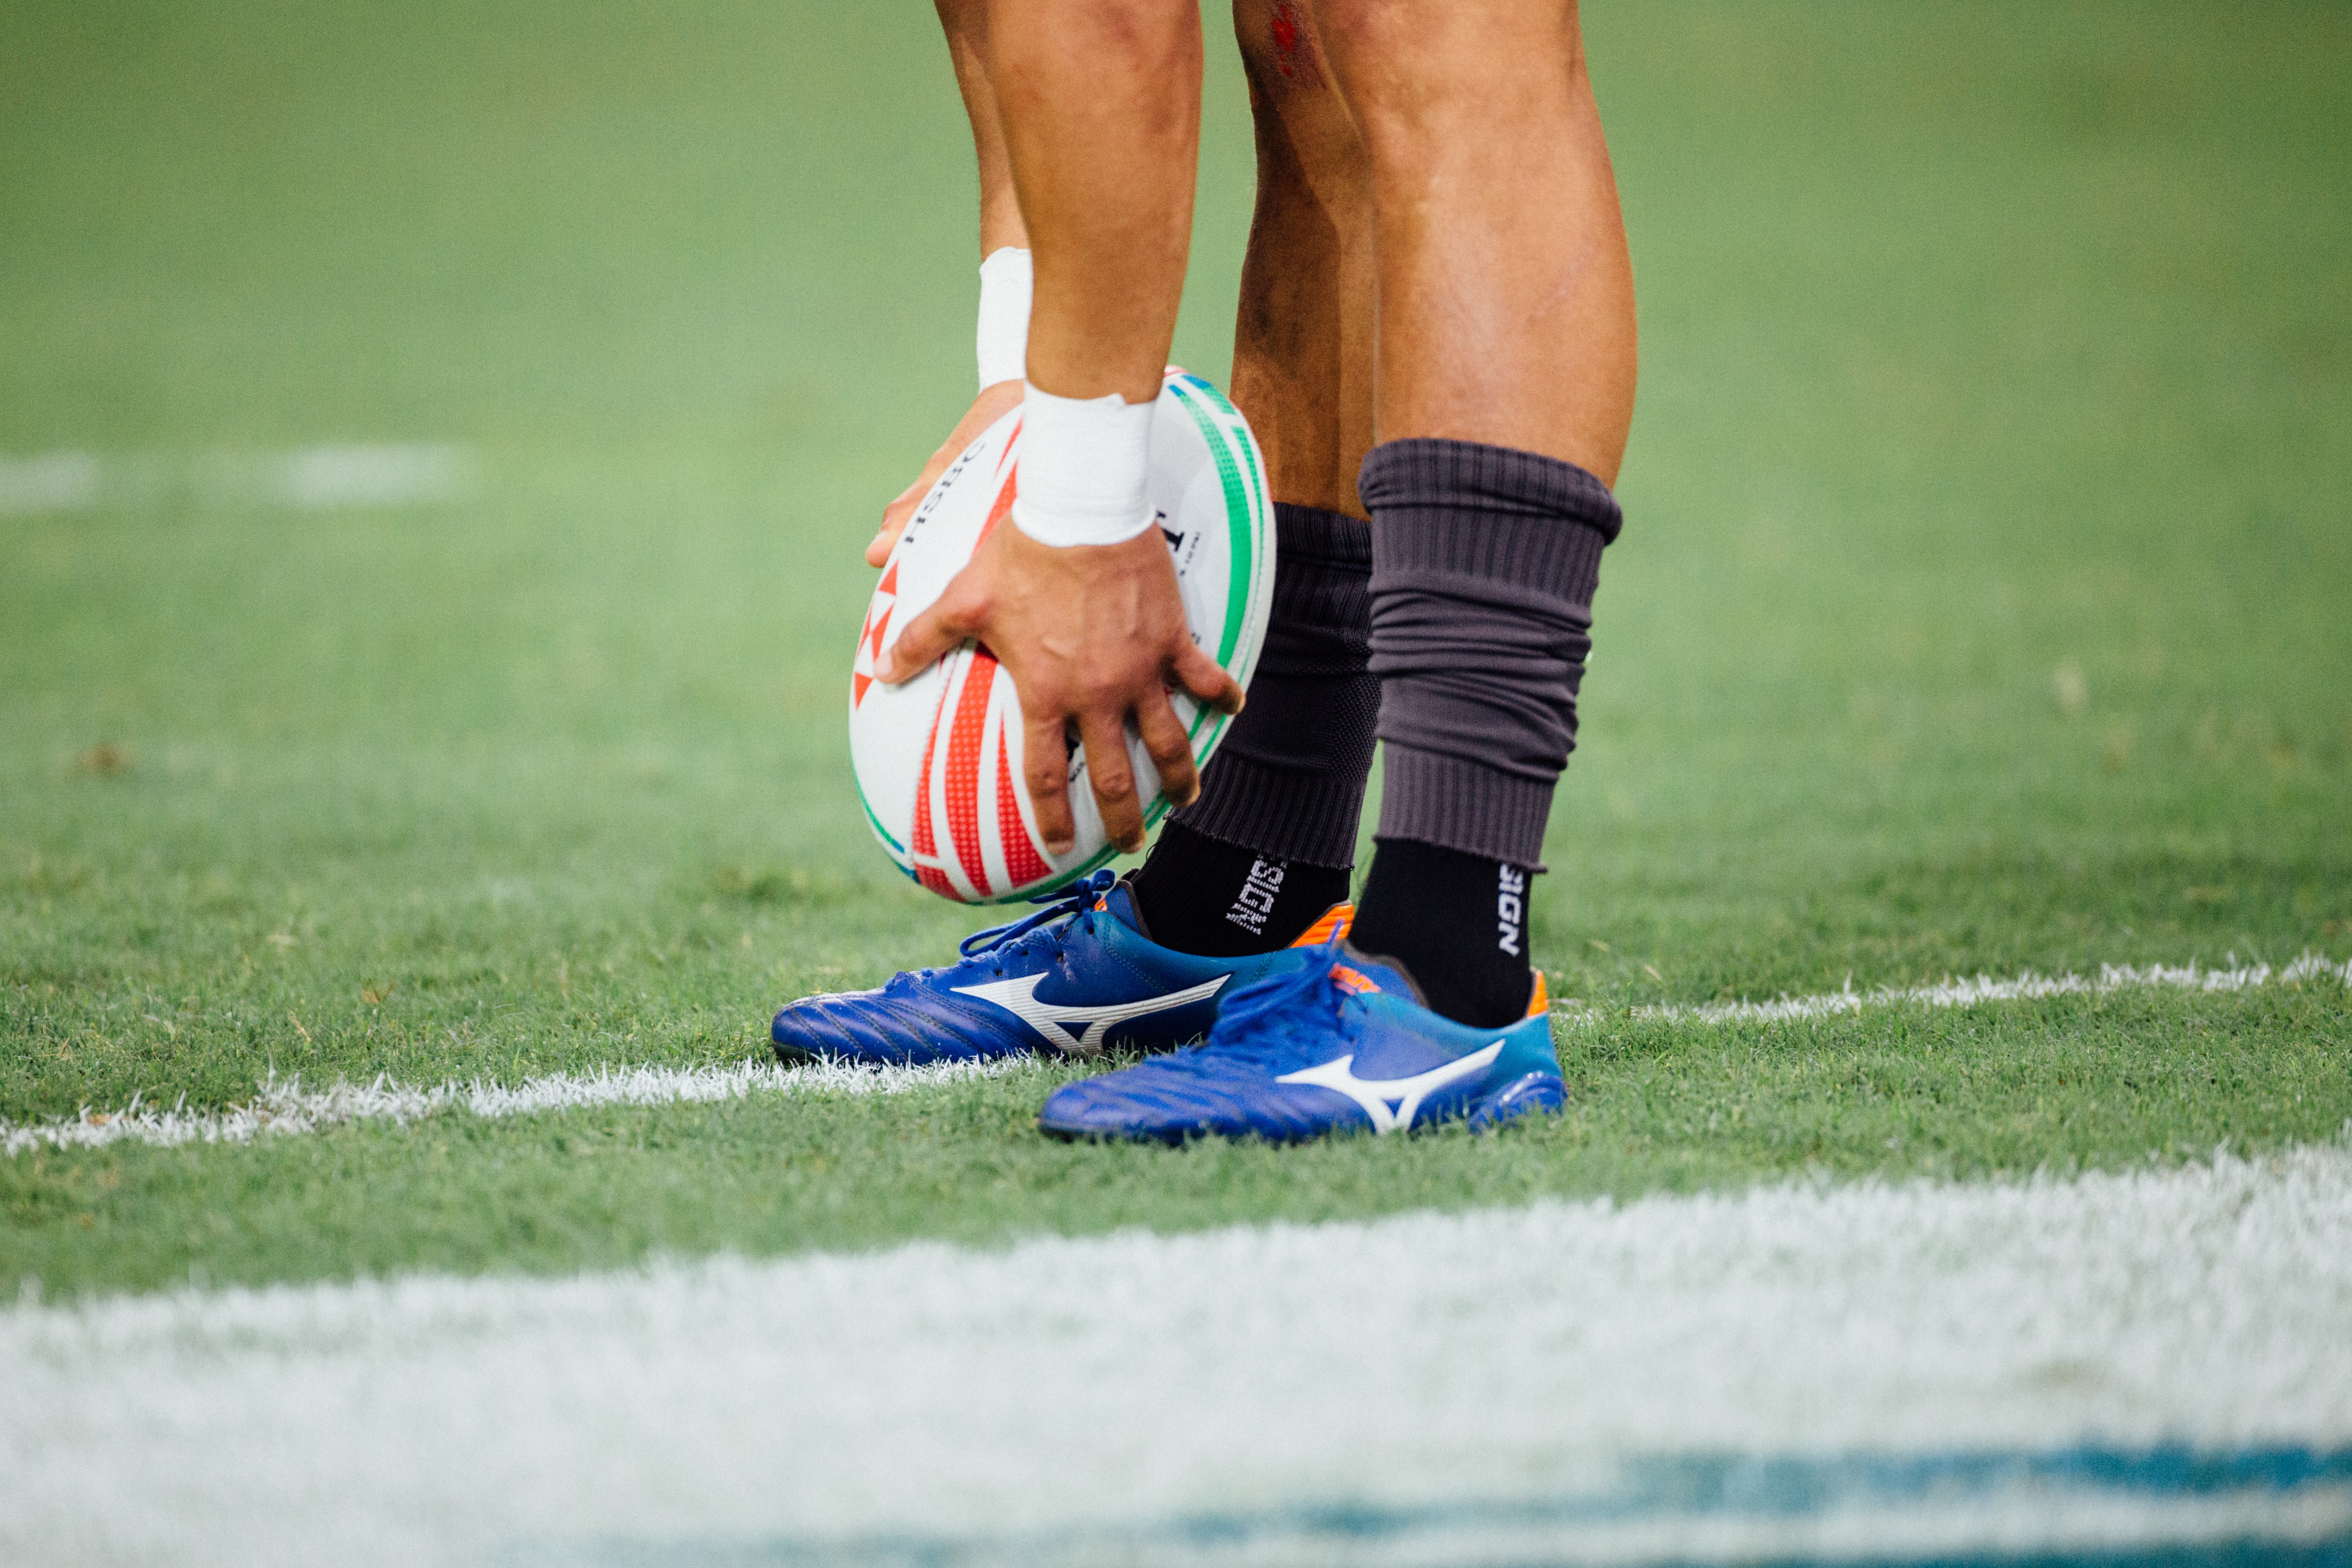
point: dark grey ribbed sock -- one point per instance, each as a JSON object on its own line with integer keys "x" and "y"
{"x": 1485, "y": 565}
{"x": 1485, "y": 559}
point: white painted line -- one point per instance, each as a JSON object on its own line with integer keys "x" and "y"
{"x": 346, "y": 476}
{"x": 1983, "y": 989}
{"x": 287, "y": 1108}
{"x": 51, "y": 481}
{"x": 1799, "y": 1369}
{"x": 322, "y": 478}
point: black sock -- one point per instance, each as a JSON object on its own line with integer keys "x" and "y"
{"x": 1289, "y": 781}
{"x": 1206, "y": 897}
{"x": 1457, "y": 922}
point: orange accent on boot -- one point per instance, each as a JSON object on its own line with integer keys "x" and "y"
{"x": 1335, "y": 918}
{"x": 1540, "y": 1001}
{"x": 1355, "y": 981}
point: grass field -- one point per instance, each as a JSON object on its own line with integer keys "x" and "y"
{"x": 1983, "y": 608}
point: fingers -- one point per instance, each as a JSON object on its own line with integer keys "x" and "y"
{"x": 952, "y": 617}
{"x": 1045, "y": 769}
{"x": 1170, "y": 747}
{"x": 895, "y": 515}
{"x": 1205, "y": 678}
{"x": 1113, "y": 777}
{"x": 986, "y": 409}
{"x": 894, "y": 519}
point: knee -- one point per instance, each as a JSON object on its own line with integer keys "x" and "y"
{"x": 1417, "y": 74}
{"x": 1279, "y": 45}
{"x": 1157, "y": 33}
{"x": 1115, "y": 39}
{"x": 1307, "y": 147}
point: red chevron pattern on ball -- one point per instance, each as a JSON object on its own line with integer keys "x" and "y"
{"x": 938, "y": 758}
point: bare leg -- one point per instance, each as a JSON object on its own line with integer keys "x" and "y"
{"x": 1280, "y": 803}
{"x": 1506, "y": 291}
{"x": 1504, "y": 389}
{"x": 1303, "y": 336}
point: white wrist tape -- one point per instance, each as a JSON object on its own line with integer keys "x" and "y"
{"x": 1084, "y": 461}
{"x": 1002, "y": 341}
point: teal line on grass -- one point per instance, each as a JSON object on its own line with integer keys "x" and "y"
{"x": 1764, "y": 1491}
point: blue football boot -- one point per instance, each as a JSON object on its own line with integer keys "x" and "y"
{"x": 1343, "y": 1043}
{"x": 1078, "y": 978}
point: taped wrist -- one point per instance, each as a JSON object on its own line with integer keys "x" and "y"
{"x": 1083, "y": 467}
{"x": 1485, "y": 561}
{"x": 1289, "y": 781}
{"x": 1001, "y": 342}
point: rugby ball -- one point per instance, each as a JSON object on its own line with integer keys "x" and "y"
{"x": 937, "y": 757}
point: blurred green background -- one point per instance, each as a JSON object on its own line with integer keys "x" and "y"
{"x": 1983, "y": 603}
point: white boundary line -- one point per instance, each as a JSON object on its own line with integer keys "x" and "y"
{"x": 1720, "y": 1377}
{"x": 340, "y": 476}
{"x": 288, "y": 1108}
{"x": 2026, "y": 987}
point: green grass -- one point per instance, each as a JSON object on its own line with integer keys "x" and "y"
{"x": 2060, "y": 1085}
{"x": 1982, "y": 606}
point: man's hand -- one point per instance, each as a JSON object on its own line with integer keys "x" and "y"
{"x": 1092, "y": 636}
{"x": 991, "y": 405}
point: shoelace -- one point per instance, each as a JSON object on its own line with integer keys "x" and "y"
{"x": 1272, "y": 1022}
{"x": 1062, "y": 904}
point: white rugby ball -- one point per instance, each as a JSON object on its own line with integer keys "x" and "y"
{"x": 938, "y": 756}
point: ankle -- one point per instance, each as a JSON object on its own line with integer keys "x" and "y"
{"x": 1213, "y": 900}
{"x": 1456, "y": 923}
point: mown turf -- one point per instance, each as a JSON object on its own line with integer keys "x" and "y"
{"x": 2059, "y": 1086}
{"x": 1982, "y": 605}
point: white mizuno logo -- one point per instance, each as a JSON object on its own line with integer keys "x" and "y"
{"x": 1377, "y": 1094}
{"x": 1019, "y": 997}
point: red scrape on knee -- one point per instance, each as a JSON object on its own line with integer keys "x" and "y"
{"x": 1293, "y": 43}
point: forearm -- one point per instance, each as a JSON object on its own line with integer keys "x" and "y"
{"x": 1101, "y": 103}
{"x": 965, "y": 22}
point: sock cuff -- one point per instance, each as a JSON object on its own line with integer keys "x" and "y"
{"x": 1457, "y": 804}
{"x": 1321, "y": 622}
{"x": 1431, "y": 471}
{"x": 1515, "y": 530}
{"x": 1330, "y": 539}
{"x": 1308, "y": 819}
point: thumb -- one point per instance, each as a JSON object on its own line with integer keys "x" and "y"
{"x": 929, "y": 635}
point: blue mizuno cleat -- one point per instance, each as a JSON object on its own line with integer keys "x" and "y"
{"x": 1341, "y": 1043}
{"x": 1078, "y": 978}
